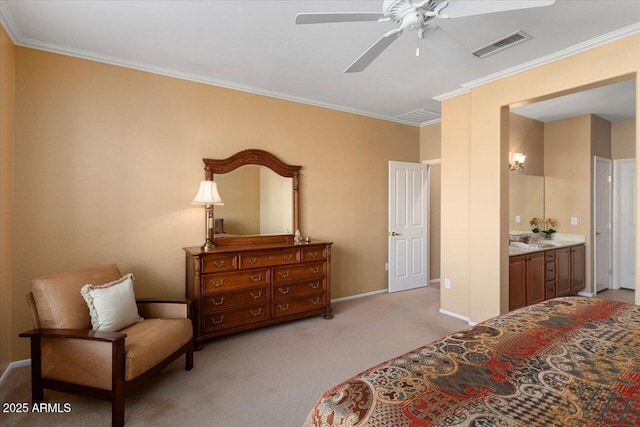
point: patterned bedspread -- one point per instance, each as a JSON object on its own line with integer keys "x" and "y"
{"x": 565, "y": 362}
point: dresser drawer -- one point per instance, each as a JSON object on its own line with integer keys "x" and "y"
{"x": 288, "y": 290}
{"x": 227, "y": 300}
{"x": 298, "y": 272}
{"x": 227, "y": 281}
{"x": 269, "y": 258}
{"x": 292, "y": 306}
{"x": 226, "y": 319}
{"x": 317, "y": 253}
{"x": 215, "y": 263}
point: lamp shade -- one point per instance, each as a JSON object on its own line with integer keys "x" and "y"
{"x": 208, "y": 194}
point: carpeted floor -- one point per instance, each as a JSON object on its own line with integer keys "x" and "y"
{"x": 263, "y": 378}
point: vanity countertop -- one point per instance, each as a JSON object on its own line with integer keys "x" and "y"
{"x": 519, "y": 248}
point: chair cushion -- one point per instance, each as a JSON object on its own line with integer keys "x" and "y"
{"x": 112, "y": 306}
{"x": 151, "y": 341}
{"x": 88, "y": 363}
{"x": 57, "y": 297}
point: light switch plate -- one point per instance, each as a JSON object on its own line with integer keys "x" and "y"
{"x": 574, "y": 220}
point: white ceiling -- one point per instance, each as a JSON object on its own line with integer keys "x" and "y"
{"x": 613, "y": 102}
{"x": 256, "y": 46}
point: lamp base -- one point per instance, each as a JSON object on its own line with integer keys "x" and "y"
{"x": 208, "y": 246}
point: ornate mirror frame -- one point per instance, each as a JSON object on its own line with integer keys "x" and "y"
{"x": 262, "y": 158}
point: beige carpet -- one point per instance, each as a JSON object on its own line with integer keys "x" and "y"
{"x": 263, "y": 378}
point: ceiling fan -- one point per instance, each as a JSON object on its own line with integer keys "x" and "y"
{"x": 414, "y": 15}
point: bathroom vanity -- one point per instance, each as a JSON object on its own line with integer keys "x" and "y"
{"x": 544, "y": 271}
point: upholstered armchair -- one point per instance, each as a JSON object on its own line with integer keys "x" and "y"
{"x": 68, "y": 356}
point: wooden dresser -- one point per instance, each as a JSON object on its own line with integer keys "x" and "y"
{"x": 246, "y": 286}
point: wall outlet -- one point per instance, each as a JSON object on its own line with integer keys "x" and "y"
{"x": 386, "y": 266}
{"x": 574, "y": 220}
{"x": 447, "y": 283}
{"x": 517, "y": 219}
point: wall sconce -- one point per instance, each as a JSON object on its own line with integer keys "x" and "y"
{"x": 516, "y": 162}
{"x": 208, "y": 195}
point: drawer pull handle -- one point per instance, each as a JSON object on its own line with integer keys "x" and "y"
{"x": 256, "y": 296}
{"x": 215, "y": 283}
{"x": 283, "y": 307}
{"x": 256, "y": 313}
{"x": 315, "y": 270}
{"x": 252, "y": 260}
{"x": 288, "y": 257}
{"x": 314, "y": 285}
{"x": 217, "y": 322}
{"x": 313, "y": 254}
{"x": 284, "y": 291}
{"x": 283, "y": 275}
{"x": 315, "y": 300}
{"x": 214, "y": 302}
{"x": 218, "y": 264}
{"x": 255, "y": 278}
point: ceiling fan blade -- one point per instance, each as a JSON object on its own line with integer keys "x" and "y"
{"x": 460, "y": 8}
{"x": 325, "y": 18}
{"x": 372, "y": 53}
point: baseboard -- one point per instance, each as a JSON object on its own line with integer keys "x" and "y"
{"x": 434, "y": 280}
{"x": 587, "y": 294}
{"x": 368, "y": 294}
{"x": 452, "y": 314}
{"x": 13, "y": 365}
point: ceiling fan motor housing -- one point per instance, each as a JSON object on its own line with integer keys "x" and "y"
{"x": 411, "y": 15}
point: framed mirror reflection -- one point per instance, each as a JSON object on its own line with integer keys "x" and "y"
{"x": 260, "y": 194}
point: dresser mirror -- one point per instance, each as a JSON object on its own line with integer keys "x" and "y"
{"x": 526, "y": 201}
{"x": 260, "y": 194}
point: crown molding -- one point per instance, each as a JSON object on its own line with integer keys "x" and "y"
{"x": 556, "y": 56}
{"x": 431, "y": 122}
{"x": 9, "y": 24}
{"x": 451, "y": 94}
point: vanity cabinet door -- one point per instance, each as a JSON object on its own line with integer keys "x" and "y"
{"x": 563, "y": 271}
{"x": 517, "y": 282}
{"x": 577, "y": 268}
{"x": 535, "y": 278}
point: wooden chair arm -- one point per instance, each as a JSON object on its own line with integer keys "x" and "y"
{"x": 82, "y": 334}
{"x": 164, "y": 308}
{"x": 163, "y": 301}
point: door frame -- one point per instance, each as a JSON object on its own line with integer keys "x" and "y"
{"x": 594, "y": 252}
{"x": 427, "y": 218}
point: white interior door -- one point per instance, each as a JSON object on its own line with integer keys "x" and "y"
{"x": 408, "y": 214}
{"x": 625, "y": 220}
{"x": 602, "y": 221}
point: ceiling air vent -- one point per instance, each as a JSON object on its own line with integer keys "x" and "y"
{"x": 502, "y": 44}
{"x": 419, "y": 116}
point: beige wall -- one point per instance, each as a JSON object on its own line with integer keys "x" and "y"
{"x": 455, "y": 204}
{"x": 7, "y": 80}
{"x": 568, "y": 183}
{"x": 527, "y": 136}
{"x": 623, "y": 139}
{"x": 430, "y": 150}
{"x": 475, "y": 148}
{"x": 108, "y": 160}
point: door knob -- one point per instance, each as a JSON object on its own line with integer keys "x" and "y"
{"x": 393, "y": 234}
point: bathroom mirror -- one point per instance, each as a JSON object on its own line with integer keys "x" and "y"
{"x": 526, "y": 201}
{"x": 260, "y": 194}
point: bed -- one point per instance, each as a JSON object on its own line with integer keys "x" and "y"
{"x": 568, "y": 361}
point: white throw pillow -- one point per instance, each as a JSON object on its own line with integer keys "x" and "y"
{"x": 113, "y": 305}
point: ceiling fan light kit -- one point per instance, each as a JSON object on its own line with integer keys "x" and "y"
{"x": 413, "y": 15}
